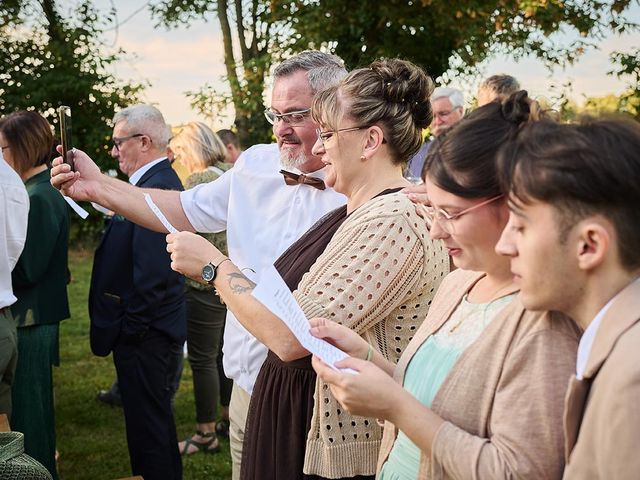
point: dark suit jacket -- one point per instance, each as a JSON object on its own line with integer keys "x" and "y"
{"x": 40, "y": 276}
{"x": 132, "y": 285}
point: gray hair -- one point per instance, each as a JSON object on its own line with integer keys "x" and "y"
{"x": 502, "y": 85}
{"x": 145, "y": 119}
{"x": 323, "y": 69}
{"x": 455, "y": 96}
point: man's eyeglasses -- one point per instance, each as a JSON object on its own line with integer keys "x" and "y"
{"x": 446, "y": 220}
{"x": 444, "y": 114}
{"x": 291, "y": 118}
{"x": 118, "y": 141}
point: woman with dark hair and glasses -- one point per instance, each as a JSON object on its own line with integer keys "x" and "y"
{"x": 39, "y": 283}
{"x": 369, "y": 265}
{"x": 479, "y": 391}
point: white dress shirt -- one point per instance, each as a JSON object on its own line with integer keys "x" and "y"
{"x": 137, "y": 175}
{"x": 589, "y": 335}
{"x": 263, "y": 216}
{"x": 14, "y": 215}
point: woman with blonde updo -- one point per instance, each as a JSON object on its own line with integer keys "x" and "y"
{"x": 369, "y": 265}
{"x": 203, "y": 154}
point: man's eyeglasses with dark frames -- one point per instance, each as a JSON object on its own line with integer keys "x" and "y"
{"x": 290, "y": 118}
{"x": 118, "y": 141}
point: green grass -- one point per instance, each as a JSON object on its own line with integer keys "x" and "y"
{"x": 91, "y": 436}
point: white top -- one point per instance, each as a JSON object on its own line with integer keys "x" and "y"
{"x": 14, "y": 215}
{"x": 263, "y": 216}
{"x": 137, "y": 175}
{"x": 589, "y": 335}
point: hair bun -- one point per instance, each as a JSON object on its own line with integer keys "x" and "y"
{"x": 518, "y": 108}
{"x": 408, "y": 86}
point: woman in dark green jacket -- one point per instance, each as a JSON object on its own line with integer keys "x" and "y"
{"x": 39, "y": 283}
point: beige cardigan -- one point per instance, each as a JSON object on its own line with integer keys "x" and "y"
{"x": 377, "y": 276}
{"x": 503, "y": 399}
{"x": 602, "y": 423}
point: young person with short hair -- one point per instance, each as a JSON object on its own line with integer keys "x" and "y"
{"x": 573, "y": 238}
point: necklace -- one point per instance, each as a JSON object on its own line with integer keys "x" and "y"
{"x": 494, "y": 297}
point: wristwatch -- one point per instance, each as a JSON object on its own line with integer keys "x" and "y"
{"x": 210, "y": 270}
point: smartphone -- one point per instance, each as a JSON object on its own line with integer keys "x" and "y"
{"x": 64, "y": 119}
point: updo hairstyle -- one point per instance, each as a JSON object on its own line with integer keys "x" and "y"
{"x": 462, "y": 160}
{"x": 392, "y": 94}
{"x": 197, "y": 147}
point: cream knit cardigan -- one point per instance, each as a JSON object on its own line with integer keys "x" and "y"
{"x": 377, "y": 276}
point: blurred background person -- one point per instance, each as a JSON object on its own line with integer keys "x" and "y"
{"x": 448, "y": 109}
{"x": 203, "y": 154}
{"x": 496, "y": 87}
{"x": 14, "y": 211}
{"x": 136, "y": 302}
{"x": 39, "y": 282}
{"x": 231, "y": 143}
{"x": 479, "y": 391}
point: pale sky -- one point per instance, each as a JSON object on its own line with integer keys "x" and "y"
{"x": 179, "y": 60}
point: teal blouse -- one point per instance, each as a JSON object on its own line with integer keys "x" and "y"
{"x": 40, "y": 277}
{"x": 428, "y": 369}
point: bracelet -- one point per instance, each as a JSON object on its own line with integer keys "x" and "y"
{"x": 369, "y": 354}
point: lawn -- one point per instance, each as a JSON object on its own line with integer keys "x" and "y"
{"x": 91, "y": 437}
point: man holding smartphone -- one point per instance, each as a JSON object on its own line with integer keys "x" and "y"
{"x": 261, "y": 211}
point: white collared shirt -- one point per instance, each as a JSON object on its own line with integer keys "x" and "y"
{"x": 589, "y": 335}
{"x": 262, "y": 216}
{"x": 137, "y": 175}
{"x": 14, "y": 216}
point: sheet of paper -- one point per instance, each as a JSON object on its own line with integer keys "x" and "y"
{"x": 274, "y": 294}
{"x": 154, "y": 208}
{"x": 76, "y": 208}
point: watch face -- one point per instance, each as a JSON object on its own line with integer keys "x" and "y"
{"x": 208, "y": 272}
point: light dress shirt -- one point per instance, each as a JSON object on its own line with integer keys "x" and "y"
{"x": 137, "y": 175}
{"x": 263, "y": 216}
{"x": 589, "y": 335}
{"x": 14, "y": 215}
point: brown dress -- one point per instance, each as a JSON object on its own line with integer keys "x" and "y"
{"x": 281, "y": 405}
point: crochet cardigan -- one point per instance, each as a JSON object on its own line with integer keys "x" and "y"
{"x": 502, "y": 402}
{"x": 377, "y": 276}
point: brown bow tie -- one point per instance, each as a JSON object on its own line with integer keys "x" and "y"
{"x": 291, "y": 178}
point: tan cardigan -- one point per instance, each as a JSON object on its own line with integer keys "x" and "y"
{"x": 377, "y": 276}
{"x": 503, "y": 399}
{"x": 602, "y": 423}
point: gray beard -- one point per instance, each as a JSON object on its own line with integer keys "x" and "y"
{"x": 292, "y": 161}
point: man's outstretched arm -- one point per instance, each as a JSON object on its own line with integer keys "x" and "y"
{"x": 87, "y": 183}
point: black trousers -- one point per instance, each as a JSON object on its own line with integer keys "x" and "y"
{"x": 145, "y": 375}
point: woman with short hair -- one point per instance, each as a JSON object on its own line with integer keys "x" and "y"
{"x": 39, "y": 282}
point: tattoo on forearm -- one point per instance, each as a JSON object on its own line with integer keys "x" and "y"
{"x": 239, "y": 283}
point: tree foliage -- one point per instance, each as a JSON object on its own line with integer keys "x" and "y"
{"x": 251, "y": 38}
{"x": 56, "y": 61}
{"x": 438, "y": 34}
{"x": 435, "y": 34}
{"x": 627, "y": 66}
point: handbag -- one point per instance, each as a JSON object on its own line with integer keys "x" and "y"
{"x": 17, "y": 465}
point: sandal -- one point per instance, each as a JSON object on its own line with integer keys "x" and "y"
{"x": 222, "y": 428}
{"x": 209, "y": 446}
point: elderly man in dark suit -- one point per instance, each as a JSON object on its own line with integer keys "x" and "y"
{"x": 136, "y": 301}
